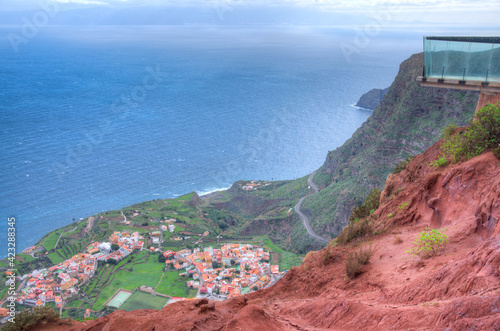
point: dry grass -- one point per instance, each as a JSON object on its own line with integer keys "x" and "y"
{"x": 356, "y": 260}
{"x": 355, "y": 229}
{"x": 398, "y": 240}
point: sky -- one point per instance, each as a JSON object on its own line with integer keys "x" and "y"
{"x": 482, "y": 12}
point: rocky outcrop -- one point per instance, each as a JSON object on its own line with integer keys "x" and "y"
{"x": 195, "y": 200}
{"x": 372, "y": 99}
{"x": 456, "y": 290}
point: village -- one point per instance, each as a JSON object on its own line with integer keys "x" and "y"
{"x": 232, "y": 270}
{"x": 253, "y": 185}
{"x": 218, "y": 274}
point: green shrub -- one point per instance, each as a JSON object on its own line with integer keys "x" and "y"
{"x": 355, "y": 261}
{"x": 429, "y": 243}
{"x": 440, "y": 163}
{"x": 403, "y": 205}
{"x": 482, "y": 134}
{"x": 27, "y": 319}
{"x": 402, "y": 165}
{"x": 449, "y": 130}
{"x": 359, "y": 223}
{"x": 355, "y": 229}
{"x": 496, "y": 152}
{"x": 371, "y": 202}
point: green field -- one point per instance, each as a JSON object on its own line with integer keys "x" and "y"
{"x": 172, "y": 284}
{"x": 55, "y": 258}
{"x": 185, "y": 197}
{"x": 74, "y": 304}
{"x": 50, "y": 241}
{"x": 80, "y": 225}
{"x": 286, "y": 259}
{"x": 148, "y": 274}
{"x": 141, "y": 300}
{"x": 26, "y": 257}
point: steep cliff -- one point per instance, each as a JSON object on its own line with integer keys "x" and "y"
{"x": 458, "y": 289}
{"x": 409, "y": 120}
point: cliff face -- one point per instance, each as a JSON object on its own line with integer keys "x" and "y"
{"x": 372, "y": 99}
{"x": 457, "y": 290}
{"x": 408, "y": 120}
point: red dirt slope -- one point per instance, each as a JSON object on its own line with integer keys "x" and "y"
{"x": 457, "y": 290}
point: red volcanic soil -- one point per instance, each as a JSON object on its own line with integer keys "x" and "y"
{"x": 459, "y": 289}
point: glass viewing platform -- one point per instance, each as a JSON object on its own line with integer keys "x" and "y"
{"x": 471, "y": 63}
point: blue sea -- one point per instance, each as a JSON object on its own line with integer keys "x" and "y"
{"x": 98, "y": 118}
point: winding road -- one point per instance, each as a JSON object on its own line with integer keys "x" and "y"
{"x": 303, "y": 217}
{"x": 57, "y": 242}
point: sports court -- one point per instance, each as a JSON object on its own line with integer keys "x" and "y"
{"x": 118, "y": 299}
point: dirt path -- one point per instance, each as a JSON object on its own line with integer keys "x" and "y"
{"x": 303, "y": 217}
{"x": 163, "y": 274}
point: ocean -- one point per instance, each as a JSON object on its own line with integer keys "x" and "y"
{"x": 98, "y": 118}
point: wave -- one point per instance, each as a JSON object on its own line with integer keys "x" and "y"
{"x": 207, "y": 192}
{"x": 358, "y": 107}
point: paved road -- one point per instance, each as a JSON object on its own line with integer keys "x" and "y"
{"x": 57, "y": 242}
{"x": 303, "y": 217}
{"x": 38, "y": 249}
{"x": 198, "y": 295}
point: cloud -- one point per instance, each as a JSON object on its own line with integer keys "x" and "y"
{"x": 433, "y": 11}
{"x": 82, "y": 2}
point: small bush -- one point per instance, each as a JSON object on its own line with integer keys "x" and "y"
{"x": 482, "y": 134}
{"x": 449, "y": 130}
{"x": 389, "y": 215}
{"x": 403, "y": 205}
{"x": 356, "y": 260}
{"x": 365, "y": 254}
{"x": 496, "y": 152}
{"x": 429, "y": 243}
{"x": 328, "y": 257}
{"x": 371, "y": 202}
{"x": 398, "y": 240}
{"x": 359, "y": 223}
{"x": 27, "y": 319}
{"x": 352, "y": 267}
{"x": 402, "y": 165}
{"x": 440, "y": 163}
{"x": 355, "y": 229}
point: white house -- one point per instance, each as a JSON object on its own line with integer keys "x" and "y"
{"x": 105, "y": 248}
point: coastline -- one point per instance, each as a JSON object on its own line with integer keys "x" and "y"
{"x": 203, "y": 193}
{"x": 358, "y": 107}
{"x": 208, "y": 192}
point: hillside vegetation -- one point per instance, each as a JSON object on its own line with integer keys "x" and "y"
{"x": 407, "y": 122}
